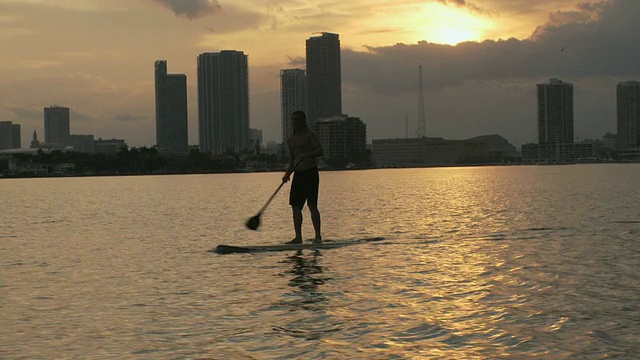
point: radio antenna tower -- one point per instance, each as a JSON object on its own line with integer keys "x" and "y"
{"x": 422, "y": 121}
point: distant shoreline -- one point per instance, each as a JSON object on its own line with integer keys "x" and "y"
{"x": 29, "y": 176}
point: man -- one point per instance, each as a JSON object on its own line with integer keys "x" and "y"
{"x": 304, "y": 151}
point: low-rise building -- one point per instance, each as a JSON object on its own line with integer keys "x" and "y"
{"x": 434, "y": 151}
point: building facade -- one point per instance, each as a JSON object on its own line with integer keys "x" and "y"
{"x": 223, "y": 102}
{"x": 109, "y": 146}
{"x": 324, "y": 86}
{"x": 293, "y": 96}
{"x": 56, "y": 125}
{"x": 343, "y": 139}
{"x": 171, "y": 111}
{"x": 555, "y": 125}
{"x": 9, "y": 135}
{"x": 628, "y": 111}
{"x": 431, "y": 151}
{"x": 555, "y": 112}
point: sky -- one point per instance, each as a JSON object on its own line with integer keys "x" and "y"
{"x": 481, "y": 60}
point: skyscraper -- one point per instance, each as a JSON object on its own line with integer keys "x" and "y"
{"x": 324, "y": 87}
{"x": 628, "y": 108}
{"x": 171, "y": 111}
{"x": 555, "y": 112}
{"x": 56, "y": 125}
{"x": 223, "y": 101}
{"x": 9, "y": 135}
{"x": 293, "y": 96}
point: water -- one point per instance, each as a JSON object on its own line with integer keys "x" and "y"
{"x": 478, "y": 263}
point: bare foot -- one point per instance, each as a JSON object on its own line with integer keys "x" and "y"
{"x": 295, "y": 241}
{"x": 317, "y": 241}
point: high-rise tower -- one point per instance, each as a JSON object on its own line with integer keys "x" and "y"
{"x": 324, "y": 87}
{"x": 223, "y": 101}
{"x": 293, "y": 96}
{"x": 171, "y": 111}
{"x": 9, "y": 135}
{"x": 628, "y": 109}
{"x": 56, "y": 125}
{"x": 555, "y": 113}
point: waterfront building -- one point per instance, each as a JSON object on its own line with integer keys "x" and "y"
{"x": 343, "y": 139}
{"x": 171, "y": 111}
{"x": 628, "y": 119}
{"x": 223, "y": 102}
{"x": 555, "y": 126}
{"x": 81, "y": 143}
{"x": 109, "y": 146}
{"x": 56, "y": 124}
{"x": 324, "y": 87}
{"x": 432, "y": 151}
{"x": 293, "y": 96}
{"x": 555, "y": 112}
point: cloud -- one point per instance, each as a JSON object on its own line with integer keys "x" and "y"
{"x": 191, "y": 9}
{"x": 594, "y": 40}
{"x": 25, "y": 112}
{"x": 464, "y": 4}
{"x": 297, "y": 61}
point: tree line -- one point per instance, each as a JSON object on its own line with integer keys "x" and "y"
{"x": 143, "y": 160}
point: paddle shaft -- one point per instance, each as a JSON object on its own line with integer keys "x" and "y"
{"x": 276, "y": 192}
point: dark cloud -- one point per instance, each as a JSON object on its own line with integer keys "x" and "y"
{"x": 191, "y": 9}
{"x": 595, "y": 40}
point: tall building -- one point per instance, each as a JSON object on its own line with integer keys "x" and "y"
{"x": 171, "y": 111}
{"x": 293, "y": 96}
{"x": 555, "y": 113}
{"x": 628, "y": 108}
{"x": 56, "y": 124}
{"x": 223, "y": 101}
{"x": 9, "y": 135}
{"x": 324, "y": 87}
{"x": 17, "y": 134}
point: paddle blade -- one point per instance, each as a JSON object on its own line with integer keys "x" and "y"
{"x": 254, "y": 222}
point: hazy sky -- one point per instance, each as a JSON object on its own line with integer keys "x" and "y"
{"x": 481, "y": 60}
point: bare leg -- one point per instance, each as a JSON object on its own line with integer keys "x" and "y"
{"x": 317, "y": 224}
{"x": 297, "y": 225}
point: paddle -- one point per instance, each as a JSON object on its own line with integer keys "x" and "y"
{"x": 254, "y": 222}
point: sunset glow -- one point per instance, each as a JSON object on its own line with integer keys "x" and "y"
{"x": 435, "y": 23}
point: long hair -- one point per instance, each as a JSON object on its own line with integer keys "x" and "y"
{"x": 303, "y": 122}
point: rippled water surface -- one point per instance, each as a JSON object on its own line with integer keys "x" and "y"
{"x": 477, "y": 263}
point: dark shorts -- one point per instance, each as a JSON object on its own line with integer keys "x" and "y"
{"x": 304, "y": 187}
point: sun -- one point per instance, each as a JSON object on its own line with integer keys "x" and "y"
{"x": 443, "y": 24}
{"x": 433, "y": 22}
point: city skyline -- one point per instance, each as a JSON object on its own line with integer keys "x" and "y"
{"x": 481, "y": 86}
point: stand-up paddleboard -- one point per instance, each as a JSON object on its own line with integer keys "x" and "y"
{"x": 231, "y": 249}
